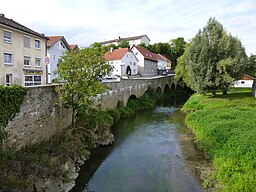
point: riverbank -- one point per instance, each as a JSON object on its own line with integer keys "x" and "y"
{"x": 53, "y": 165}
{"x": 224, "y": 127}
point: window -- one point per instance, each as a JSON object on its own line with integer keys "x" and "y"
{"x": 7, "y": 36}
{"x": 31, "y": 80}
{"x": 37, "y": 44}
{"x": 8, "y": 79}
{"x": 134, "y": 70}
{"x": 54, "y": 57}
{"x": 59, "y": 61}
{"x": 26, "y": 60}
{"x": 26, "y": 41}
{"x": 8, "y": 58}
{"x": 38, "y": 62}
{"x": 134, "y": 64}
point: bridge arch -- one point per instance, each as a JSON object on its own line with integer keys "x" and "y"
{"x": 167, "y": 88}
{"x": 126, "y": 89}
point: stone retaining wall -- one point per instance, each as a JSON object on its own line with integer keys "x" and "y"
{"x": 41, "y": 116}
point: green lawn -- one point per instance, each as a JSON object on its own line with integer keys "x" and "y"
{"x": 225, "y": 127}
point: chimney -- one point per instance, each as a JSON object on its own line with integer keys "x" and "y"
{"x": 111, "y": 49}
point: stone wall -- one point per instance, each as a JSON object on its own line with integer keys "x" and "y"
{"x": 41, "y": 116}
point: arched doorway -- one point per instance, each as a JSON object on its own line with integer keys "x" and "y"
{"x": 128, "y": 71}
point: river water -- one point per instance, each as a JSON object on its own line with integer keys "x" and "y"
{"x": 146, "y": 157}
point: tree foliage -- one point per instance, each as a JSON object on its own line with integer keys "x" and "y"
{"x": 251, "y": 66}
{"x": 172, "y": 49}
{"x": 124, "y": 44}
{"x": 79, "y": 69}
{"x": 213, "y": 60}
{"x": 11, "y": 98}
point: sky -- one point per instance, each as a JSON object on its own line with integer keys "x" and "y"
{"x": 84, "y": 22}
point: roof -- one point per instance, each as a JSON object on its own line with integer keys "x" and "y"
{"x": 164, "y": 58}
{"x": 116, "y": 54}
{"x": 72, "y": 47}
{"x": 147, "y": 54}
{"x": 125, "y": 39}
{"x": 54, "y": 39}
{"x": 14, "y": 24}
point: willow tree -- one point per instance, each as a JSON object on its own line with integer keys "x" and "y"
{"x": 79, "y": 70}
{"x": 214, "y": 59}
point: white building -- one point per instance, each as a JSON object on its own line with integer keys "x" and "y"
{"x": 246, "y": 81}
{"x": 147, "y": 65}
{"x": 56, "y": 47}
{"x": 123, "y": 62}
{"x": 135, "y": 40}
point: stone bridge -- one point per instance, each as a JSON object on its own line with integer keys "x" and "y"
{"x": 124, "y": 89}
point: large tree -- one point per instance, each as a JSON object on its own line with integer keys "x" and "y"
{"x": 214, "y": 59}
{"x": 78, "y": 70}
{"x": 251, "y": 65}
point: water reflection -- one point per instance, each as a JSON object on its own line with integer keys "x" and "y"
{"x": 146, "y": 157}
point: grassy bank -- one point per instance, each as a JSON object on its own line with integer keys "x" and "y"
{"x": 225, "y": 128}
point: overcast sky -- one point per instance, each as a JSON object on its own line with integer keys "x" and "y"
{"x": 83, "y": 22}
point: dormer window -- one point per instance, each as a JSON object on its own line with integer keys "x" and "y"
{"x": 7, "y": 36}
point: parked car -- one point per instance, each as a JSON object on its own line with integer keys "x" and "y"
{"x": 164, "y": 73}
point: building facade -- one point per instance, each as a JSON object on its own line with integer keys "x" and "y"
{"x": 22, "y": 54}
{"x": 147, "y": 65}
{"x": 133, "y": 41}
{"x": 123, "y": 62}
{"x": 56, "y": 47}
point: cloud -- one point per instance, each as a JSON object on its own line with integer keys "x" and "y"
{"x": 83, "y": 22}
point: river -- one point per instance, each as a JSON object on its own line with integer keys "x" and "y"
{"x": 146, "y": 157}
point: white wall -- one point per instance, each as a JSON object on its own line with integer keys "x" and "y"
{"x": 161, "y": 65}
{"x": 54, "y": 52}
{"x": 243, "y": 83}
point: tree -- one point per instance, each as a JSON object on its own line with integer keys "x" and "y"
{"x": 181, "y": 72}
{"x": 214, "y": 59}
{"x": 251, "y": 65}
{"x": 172, "y": 49}
{"x": 78, "y": 69}
{"x": 124, "y": 44}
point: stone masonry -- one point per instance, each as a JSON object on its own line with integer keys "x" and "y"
{"x": 41, "y": 116}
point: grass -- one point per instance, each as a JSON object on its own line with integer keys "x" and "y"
{"x": 225, "y": 128}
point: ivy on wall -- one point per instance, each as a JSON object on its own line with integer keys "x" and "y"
{"x": 11, "y": 99}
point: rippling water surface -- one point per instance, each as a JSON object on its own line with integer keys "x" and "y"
{"x": 146, "y": 157}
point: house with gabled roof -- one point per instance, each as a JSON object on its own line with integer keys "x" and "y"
{"x": 73, "y": 47}
{"x": 22, "y": 54}
{"x": 147, "y": 65}
{"x": 135, "y": 40}
{"x": 163, "y": 64}
{"x": 123, "y": 62}
{"x": 56, "y": 47}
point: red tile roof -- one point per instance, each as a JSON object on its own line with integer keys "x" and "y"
{"x": 164, "y": 58}
{"x": 53, "y": 39}
{"x": 116, "y": 54}
{"x": 72, "y": 47}
{"x": 147, "y": 54}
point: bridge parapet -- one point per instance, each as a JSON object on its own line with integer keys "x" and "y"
{"x": 123, "y": 90}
